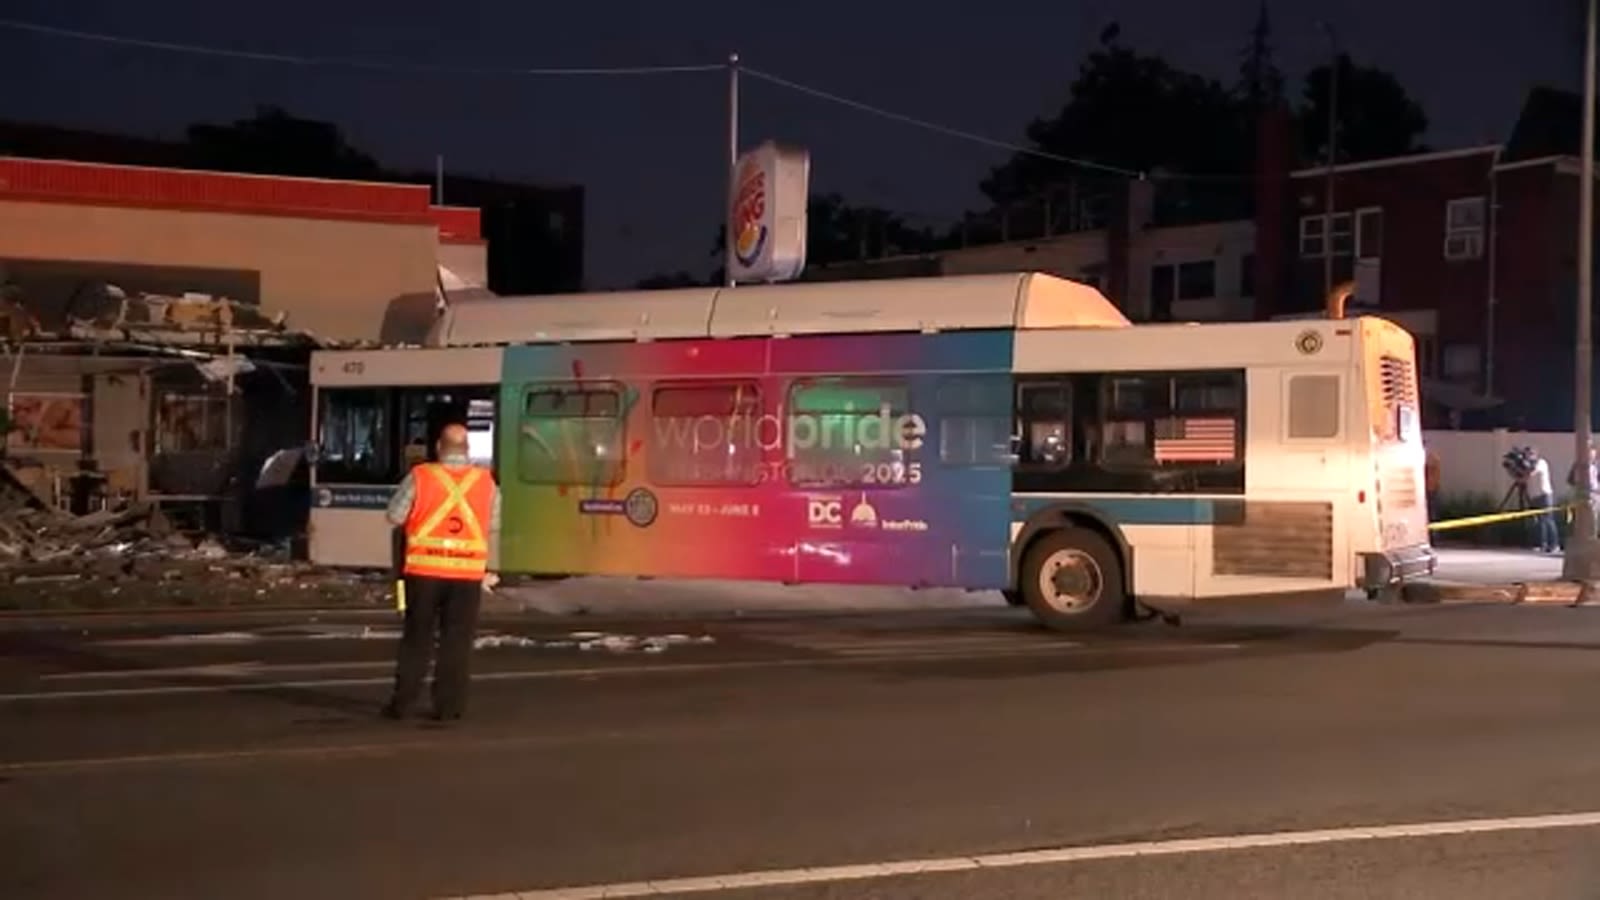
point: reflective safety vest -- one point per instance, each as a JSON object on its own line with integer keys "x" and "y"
{"x": 447, "y": 531}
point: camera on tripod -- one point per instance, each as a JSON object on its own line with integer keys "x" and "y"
{"x": 1519, "y": 462}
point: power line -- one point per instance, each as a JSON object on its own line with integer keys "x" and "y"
{"x": 935, "y": 126}
{"x": 343, "y": 62}
{"x": 376, "y": 65}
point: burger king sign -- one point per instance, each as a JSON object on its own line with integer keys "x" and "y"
{"x": 767, "y": 214}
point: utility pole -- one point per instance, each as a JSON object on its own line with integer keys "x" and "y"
{"x": 1580, "y": 561}
{"x": 733, "y": 163}
{"x": 1333, "y": 144}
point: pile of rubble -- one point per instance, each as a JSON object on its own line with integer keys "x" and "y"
{"x": 109, "y": 555}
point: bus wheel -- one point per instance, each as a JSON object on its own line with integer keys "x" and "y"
{"x": 1013, "y": 598}
{"x": 1072, "y": 580}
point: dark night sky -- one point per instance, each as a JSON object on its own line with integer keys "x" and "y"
{"x": 650, "y": 150}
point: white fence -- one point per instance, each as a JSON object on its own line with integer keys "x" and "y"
{"x": 1469, "y": 461}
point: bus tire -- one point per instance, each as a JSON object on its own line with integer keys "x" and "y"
{"x": 1013, "y": 598}
{"x": 1071, "y": 580}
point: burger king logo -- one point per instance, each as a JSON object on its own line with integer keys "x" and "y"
{"x": 749, "y": 209}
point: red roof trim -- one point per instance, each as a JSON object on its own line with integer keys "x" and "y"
{"x": 231, "y": 210}
{"x": 133, "y": 186}
{"x": 457, "y": 223}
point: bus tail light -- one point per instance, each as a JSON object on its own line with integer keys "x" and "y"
{"x": 1361, "y": 496}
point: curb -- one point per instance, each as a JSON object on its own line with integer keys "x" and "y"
{"x": 1440, "y": 592}
{"x": 1543, "y": 593}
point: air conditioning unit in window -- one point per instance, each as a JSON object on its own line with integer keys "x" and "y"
{"x": 1463, "y": 245}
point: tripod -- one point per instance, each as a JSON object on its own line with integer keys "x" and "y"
{"x": 1519, "y": 491}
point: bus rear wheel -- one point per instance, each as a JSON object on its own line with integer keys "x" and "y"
{"x": 1072, "y": 581}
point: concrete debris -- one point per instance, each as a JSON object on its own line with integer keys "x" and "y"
{"x": 43, "y": 545}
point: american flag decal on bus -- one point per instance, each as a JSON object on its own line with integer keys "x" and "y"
{"x": 1195, "y": 440}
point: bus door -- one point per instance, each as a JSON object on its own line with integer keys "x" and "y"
{"x": 1316, "y": 439}
{"x": 367, "y": 439}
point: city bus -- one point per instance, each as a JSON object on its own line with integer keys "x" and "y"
{"x": 1010, "y": 433}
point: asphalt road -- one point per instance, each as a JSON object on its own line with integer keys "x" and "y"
{"x": 242, "y": 758}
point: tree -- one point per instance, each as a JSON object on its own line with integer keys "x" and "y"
{"x": 838, "y": 231}
{"x": 1377, "y": 118}
{"x": 276, "y": 143}
{"x": 1133, "y": 112}
{"x": 1260, "y": 81}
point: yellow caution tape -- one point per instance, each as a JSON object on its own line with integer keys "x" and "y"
{"x": 1491, "y": 518}
{"x": 400, "y": 594}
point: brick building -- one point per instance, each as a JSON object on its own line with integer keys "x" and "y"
{"x": 1472, "y": 249}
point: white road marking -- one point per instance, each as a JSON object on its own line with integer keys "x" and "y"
{"x": 568, "y": 673}
{"x": 225, "y": 670}
{"x": 1052, "y": 856}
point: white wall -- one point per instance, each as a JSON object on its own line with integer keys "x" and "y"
{"x": 332, "y": 277}
{"x": 1469, "y": 461}
{"x": 1226, "y": 243}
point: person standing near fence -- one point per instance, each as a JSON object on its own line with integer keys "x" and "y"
{"x": 1542, "y": 496}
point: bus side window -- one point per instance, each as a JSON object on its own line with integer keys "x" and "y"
{"x": 1044, "y": 419}
{"x": 974, "y": 421}
{"x": 572, "y": 434}
{"x": 1130, "y": 403}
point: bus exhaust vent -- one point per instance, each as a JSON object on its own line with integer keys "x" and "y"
{"x": 1276, "y": 539}
{"x": 1398, "y": 381}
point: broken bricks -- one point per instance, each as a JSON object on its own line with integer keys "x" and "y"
{"x": 42, "y": 545}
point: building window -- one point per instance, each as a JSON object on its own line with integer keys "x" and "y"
{"x": 974, "y": 420}
{"x": 1247, "y": 275}
{"x": 187, "y": 423}
{"x": 1313, "y": 407}
{"x": 1180, "y": 281}
{"x": 1369, "y": 234}
{"x": 707, "y": 433}
{"x": 48, "y": 422}
{"x": 1197, "y": 280}
{"x": 1463, "y": 228}
{"x": 1314, "y": 235}
{"x": 571, "y": 434}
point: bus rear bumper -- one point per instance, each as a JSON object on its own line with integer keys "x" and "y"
{"x": 1392, "y": 567}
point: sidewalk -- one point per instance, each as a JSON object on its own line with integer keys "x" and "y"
{"x": 1485, "y": 575}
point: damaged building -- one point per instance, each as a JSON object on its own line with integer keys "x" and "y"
{"x": 117, "y": 399}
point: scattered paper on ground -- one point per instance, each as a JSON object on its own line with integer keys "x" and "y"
{"x": 590, "y": 641}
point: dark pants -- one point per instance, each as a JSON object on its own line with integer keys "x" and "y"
{"x": 450, "y": 608}
{"x": 1545, "y": 523}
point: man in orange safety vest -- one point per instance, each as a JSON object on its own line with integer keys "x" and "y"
{"x": 450, "y": 513}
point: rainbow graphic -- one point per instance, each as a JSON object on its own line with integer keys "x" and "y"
{"x": 872, "y": 459}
